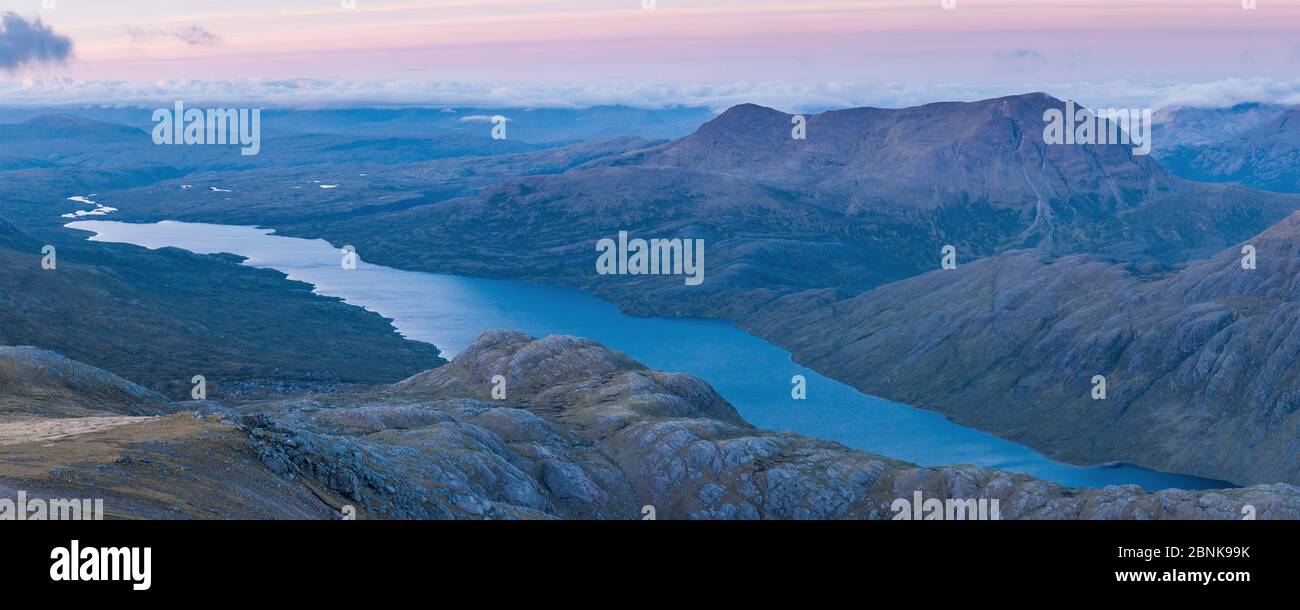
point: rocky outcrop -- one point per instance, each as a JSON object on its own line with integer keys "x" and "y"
{"x": 584, "y": 432}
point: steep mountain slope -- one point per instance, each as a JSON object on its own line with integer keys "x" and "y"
{"x": 1200, "y": 367}
{"x": 584, "y": 432}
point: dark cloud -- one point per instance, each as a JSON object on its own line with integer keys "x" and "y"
{"x": 190, "y": 34}
{"x": 23, "y": 42}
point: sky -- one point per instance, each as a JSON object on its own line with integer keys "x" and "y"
{"x": 553, "y": 52}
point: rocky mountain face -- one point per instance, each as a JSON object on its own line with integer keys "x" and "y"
{"x": 583, "y": 432}
{"x": 1200, "y": 367}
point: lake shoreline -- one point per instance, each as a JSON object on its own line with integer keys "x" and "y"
{"x": 749, "y": 371}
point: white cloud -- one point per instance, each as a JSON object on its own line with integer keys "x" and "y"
{"x": 791, "y": 97}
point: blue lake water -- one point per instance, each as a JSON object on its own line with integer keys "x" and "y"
{"x": 450, "y": 311}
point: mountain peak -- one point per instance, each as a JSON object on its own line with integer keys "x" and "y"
{"x": 552, "y": 372}
{"x": 928, "y": 156}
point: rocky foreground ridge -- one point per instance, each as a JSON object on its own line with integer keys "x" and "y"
{"x": 584, "y": 432}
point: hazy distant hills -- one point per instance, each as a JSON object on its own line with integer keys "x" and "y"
{"x": 1178, "y": 126}
{"x": 1252, "y": 145}
{"x": 66, "y": 139}
{"x": 64, "y": 126}
{"x": 532, "y": 125}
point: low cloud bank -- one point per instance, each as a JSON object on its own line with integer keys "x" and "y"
{"x": 791, "y": 97}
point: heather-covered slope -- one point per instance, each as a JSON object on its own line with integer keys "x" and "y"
{"x": 1201, "y": 367}
{"x": 584, "y": 432}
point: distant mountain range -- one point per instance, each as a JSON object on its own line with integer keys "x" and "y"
{"x": 531, "y": 125}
